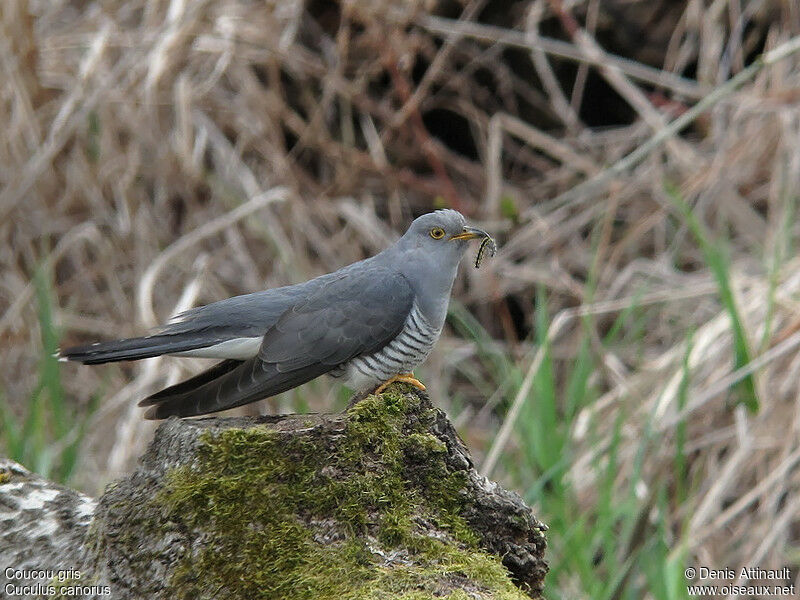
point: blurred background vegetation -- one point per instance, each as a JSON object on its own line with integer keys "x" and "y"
{"x": 628, "y": 361}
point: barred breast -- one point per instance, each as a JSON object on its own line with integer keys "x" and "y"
{"x": 409, "y": 349}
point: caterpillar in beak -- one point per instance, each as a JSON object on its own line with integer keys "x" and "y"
{"x": 487, "y": 244}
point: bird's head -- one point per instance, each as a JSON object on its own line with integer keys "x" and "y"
{"x": 442, "y": 233}
{"x": 428, "y": 255}
{"x": 433, "y": 246}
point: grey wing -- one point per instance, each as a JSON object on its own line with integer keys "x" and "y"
{"x": 241, "y": 316}
{"x": 356, "y": 312}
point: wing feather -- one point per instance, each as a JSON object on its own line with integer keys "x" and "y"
{"x": 357, "y": 312}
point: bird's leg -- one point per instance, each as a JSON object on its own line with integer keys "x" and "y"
{"x": 403, "y": 378}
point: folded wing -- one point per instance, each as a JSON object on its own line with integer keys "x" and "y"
{"x": 356, "y": 312}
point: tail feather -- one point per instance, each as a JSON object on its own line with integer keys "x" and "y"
{"x": 226, "y": 386}
{"x": 135, "y": 348}
{"x": 192, "y": 383}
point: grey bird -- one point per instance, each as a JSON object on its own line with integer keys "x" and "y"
{"x": 370, "y": 323}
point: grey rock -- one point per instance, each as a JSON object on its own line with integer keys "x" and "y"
{"x": 379, "y": 501}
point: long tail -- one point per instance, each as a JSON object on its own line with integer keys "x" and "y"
{"x": 136, "y": 348}
{"x": 226, "y": 385}
{"x": 191, "y": 384}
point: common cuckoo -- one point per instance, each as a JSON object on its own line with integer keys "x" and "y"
{"x": 370, "y": 323}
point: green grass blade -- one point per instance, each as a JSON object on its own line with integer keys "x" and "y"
{"x": 717, "y": 261}
{"x": 680, "y": 465}
{"x": 10, "y": 431}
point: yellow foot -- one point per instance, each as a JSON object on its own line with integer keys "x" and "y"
{"x": 403, "y": 378}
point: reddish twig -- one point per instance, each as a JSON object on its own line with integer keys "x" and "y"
{"x": 568, "y": 22}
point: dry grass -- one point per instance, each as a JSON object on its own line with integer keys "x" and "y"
{"x": 157, "y": 155}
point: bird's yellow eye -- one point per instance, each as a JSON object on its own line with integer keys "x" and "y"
{"x": 437, "y": 233}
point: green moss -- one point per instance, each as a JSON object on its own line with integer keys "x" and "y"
{"x": 5, "y": 477}
{"x": 324, "y": 512}
{"x": 440, "y": 578}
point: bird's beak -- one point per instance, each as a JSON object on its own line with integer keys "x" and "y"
{"x": 470, "y": 233}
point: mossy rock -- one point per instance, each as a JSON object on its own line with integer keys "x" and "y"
{"x": 378, "y": 502}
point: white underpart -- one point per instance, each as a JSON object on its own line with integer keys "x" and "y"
{"x": 239, "y": 349}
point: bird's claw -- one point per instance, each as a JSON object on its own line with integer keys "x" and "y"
{"x": 403, "y": 378}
